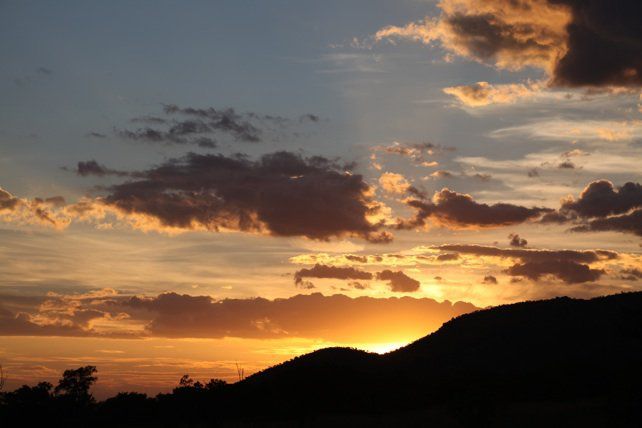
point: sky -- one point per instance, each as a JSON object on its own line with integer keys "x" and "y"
{"x": 190, "y": 186}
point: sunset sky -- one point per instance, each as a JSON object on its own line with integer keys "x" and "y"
{"x": 185, "y": 186}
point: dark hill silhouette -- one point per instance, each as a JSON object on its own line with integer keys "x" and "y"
{"x": 559, "y": 362}
{"x": 561, "y": 350}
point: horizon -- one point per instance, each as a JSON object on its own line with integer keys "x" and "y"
{"x": 189, "y": 187}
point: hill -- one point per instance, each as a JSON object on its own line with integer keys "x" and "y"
{"x": 585, "y": 354}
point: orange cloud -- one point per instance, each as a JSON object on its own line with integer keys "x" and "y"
{"x": 393, "y": 183}
{"x": 510, "y": 35}
{"x": 576, "y": 43}
{"x": 482, "y": 94}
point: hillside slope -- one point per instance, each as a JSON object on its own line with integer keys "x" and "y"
{"x": 565, "y": 351}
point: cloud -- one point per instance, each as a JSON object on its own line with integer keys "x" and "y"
{"x": 482, "y": 94}
{"x": 96, "y": 135}
{"x": 603, "y": 207}
{"x": 459, "y": 211}
{"x": 416, "y": 151}
{"x": 58, "y": 315}
{"x": 447, "y": 257}
{"x": 107, "y": 313}
{"x": 91, "y": 167}
{"x": 282, "y": 194}
{"x": 570, "y": 266}
{"x": 625, "y": 223}
{"x": 419, "y": 153}
{"x": 510, "y": 35}
{"x": 22, "y": 324}
{"x": 337, "y": 317}
{"x": 37, "y": 211}
{"x": 151, "y": 135}
{"x": 399, "y": 281}
{"x": 568, "y": 271}
{"x": 631, "y": 274}
{"x": 393, "y": 183}
{"x": 517, "y": 241}
{"x": 490, "y": 279}
{"x": 334, "y": 272}
{"x": 601, "y": 198}
{"x": 567, "y": 164}
{"x": 575, "y": 130}
{"x": 442, "y": 173}
{"x": 575, "y": 42}
{"x": 539, "y": 255}
{"x": 202, "y": 126}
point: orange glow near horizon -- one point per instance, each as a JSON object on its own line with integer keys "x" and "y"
{"x": 151, "y": 365}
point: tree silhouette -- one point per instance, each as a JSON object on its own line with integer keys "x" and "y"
{"x": 75, "y": 384}
{"x": 186, "y": 381}
{"x": 2, "y": 378}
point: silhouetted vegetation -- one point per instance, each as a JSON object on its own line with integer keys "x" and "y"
{"x": 560, "y": 362}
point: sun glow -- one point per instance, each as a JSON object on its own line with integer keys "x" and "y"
{"x": 382, "y": 348}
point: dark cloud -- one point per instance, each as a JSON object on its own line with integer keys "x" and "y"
{"x": 601, "y": 198}
{"x": 604, "y": 44}
{"x": 585, "y": 256}
{"x": 334, "y": 272}
{"x": 625, "y": 223}
{"x": 336, "y": 317}
{"x": 283, "y": 194}
{"x": 567, "y": 270}
{"x": 458, "y": 210}
{"x": 533, "y": 173}
{"x": 399, "y": 281}
{"x": 91, "y": 167}
{"x": 203, "y": 126}
{"x": 603, "y": 207}
{"x": 489, "y": 279}
{"x": 567, "y": 164}
{"x": 55, "y": 315}
{"x": 359, "y": 259}
{"x": 570, "y": 266}
{"x": 517, "y": 241}
{"x": 151, "y": 135}
{"x": 22, "y": 324}
{"x": 593, "y": 43}
{"x": 226, "y": 120}
{"x": 447, "y": 257}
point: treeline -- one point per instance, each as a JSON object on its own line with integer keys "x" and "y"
{"x": 71, "y": 404}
